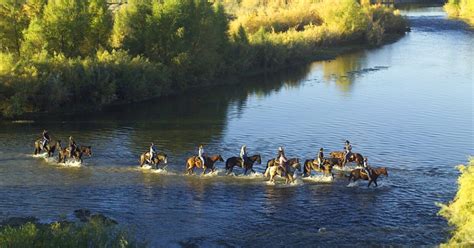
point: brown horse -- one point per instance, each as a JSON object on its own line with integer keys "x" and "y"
{"x": 78, "y": 153}
{"x": 48, "y": 148}
{"x": 325, "y": 168}
{"x": 195, "y": 162}
{"x": 353, "y": 157}
{"x": 82, "y": 150}
{"x": 159, "y": 158}
{"x": 357, "y": 174}
{"x": 62, "y": 153}
{"x": 287, "y": 171}
{"x": 237, "y": 161}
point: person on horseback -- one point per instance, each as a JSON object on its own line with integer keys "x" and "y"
{"x": 367, "y": 169}
{"x": 201, "y": 154}
{"x": 243, "y": 155}
{"x": 347, "y": 152}
{"x": 320, "y": 158}
{"x": 46, "y": 139}
{"x": 72, "y": 146}
{"x": 281, "y": 158}
{"x": 152, "y": 153}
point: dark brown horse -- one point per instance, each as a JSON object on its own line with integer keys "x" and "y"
{"x": 353, "y": 157}
{"x": 50, "y": 148}
{"x": 195, "y": 162}
{"x": 237, "y": 161}
{"x": 357, "y": 174}
{"x": 325, "y": 168}
{"x": 159, "y": 158}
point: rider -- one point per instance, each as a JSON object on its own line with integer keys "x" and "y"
{"x": 201, "y": 154}
{"x": 281, "y": 158}
{"x": 320, "y": 158}
{"x": 72, "y": 146}
{"x": 347, "y": 152}
{"x": 152, "y": 152}
{"x": 243, "y": 155}
{"x": 46, "y": 138}
{"x": 367, "y": 168}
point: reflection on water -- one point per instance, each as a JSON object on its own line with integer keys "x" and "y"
{"x": 399, "y": 105}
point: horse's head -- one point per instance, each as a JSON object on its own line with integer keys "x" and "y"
{"x": 87, "y": 150}
{"x": 258, "y": 159}
{"x": 219, "y": 157}
{"x": 383, "y": 171}
{"x": 162, "y": 157}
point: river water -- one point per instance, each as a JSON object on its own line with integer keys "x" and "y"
{"x": 408, "y": 106}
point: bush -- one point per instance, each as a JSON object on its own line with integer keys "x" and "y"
{"x": 95, "y": 233}
{"x": 460, "y": 212}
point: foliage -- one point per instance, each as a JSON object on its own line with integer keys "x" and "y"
{"x": 460, "y": 212}
{"x": 70, "y": 55}
{"x": 95, "y": 233}
{"x": 461, "y": 8}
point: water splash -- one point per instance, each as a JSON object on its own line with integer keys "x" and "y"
{"x": 319, "y": 179}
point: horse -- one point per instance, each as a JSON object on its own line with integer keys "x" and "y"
{"x": 237, "y": 161}
{"x": 287, "y": 171}
{"x": 195, "y": 161}
{"x": 272, "y": 162}
{"x": 326, "y": 167}
{"x": 357, "y": 174}
{"x": 48, "y": 148}
{"x": 62, "y": 153}
{"x": 353, "y": 157}
{"x": 82, "y": 150}
{"x": 159, "y": 158}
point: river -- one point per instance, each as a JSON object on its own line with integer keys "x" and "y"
{"x": 407, "y": 106}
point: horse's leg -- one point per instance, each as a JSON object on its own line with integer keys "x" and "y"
{"x": 370, "y": 182}
{"x": 245, "y": 172}
{"x": 204, "y": 168}
{"x": 375, "y": 182}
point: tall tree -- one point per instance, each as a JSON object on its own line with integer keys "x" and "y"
{"x": 100, "y": 25}
{"x": 13, "y": 20}
{"x": 61, "y": 29}
{"x": 131, "y": 25}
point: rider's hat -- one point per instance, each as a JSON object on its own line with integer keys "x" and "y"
{"x": 280, "y": 149}
{"x": 347, "y": 142}
{"x": 321, "y": 149}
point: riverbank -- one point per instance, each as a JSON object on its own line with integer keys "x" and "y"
{"x": 87, "y": 230}
{"x": 460, "y": 212}
{"x": 147, "y": 50}
{"x": 462, "y": 9}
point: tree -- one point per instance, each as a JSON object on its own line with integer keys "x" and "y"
{"x": 100, "y": 25}
{"x": 131, "y": 25}
{"x": 61, "y": 29}
{"x": 13, "y": 20}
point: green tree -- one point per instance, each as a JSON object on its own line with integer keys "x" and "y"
{"x": 13, "y": 20}
{"x": 62, "y": 29}
{"x": 100, "y": 25}
{"x": 131, "y": 25}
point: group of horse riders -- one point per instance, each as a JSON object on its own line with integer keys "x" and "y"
{"x": 47, "y": 139}
{"x": 71, "y": 151}
{"x": 281, "y": 159}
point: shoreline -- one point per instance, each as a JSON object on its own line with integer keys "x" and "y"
{"x": 325, "y": 54}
